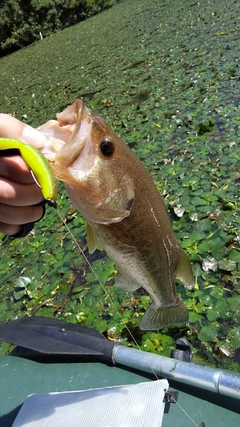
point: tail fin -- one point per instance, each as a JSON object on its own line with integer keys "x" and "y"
{"x": 157, "y": 317}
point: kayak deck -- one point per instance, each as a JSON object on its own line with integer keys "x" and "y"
{"x": 20, "y": 377}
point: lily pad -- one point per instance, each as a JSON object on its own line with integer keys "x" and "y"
{"x": 234, "y": 337}
{"x": 227, "y": 265}
{"x": 208, "y": 333}
{"x": 212, "y": 314}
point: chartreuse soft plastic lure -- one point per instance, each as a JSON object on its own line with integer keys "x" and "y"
{"x": 37, "y": 164}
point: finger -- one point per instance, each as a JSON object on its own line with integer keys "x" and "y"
{"x": 9, "y": 229}
{"x": 19, "y": 194}
{"x": 13, "y": 128}
{"x": 15, "y": 169}
{"x": 15, "y": 215}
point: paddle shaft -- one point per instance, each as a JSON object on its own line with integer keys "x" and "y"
{"x": 54, "y": 337}
{"x": 215, "y": 380}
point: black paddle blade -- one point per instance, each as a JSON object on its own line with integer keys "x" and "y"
{"x": 56, "y": 337}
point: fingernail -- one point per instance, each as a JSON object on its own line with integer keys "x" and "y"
{"x": 33, "y": 137}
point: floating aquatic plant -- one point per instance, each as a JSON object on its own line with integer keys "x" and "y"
{"x": 173, "y": 97}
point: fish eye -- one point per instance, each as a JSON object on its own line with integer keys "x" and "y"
{"x": 107, "y": 148}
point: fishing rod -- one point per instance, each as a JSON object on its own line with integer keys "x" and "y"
{"x": 53, "y": 337}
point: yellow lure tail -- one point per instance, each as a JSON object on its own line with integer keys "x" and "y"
{"x": 37, "y": 164}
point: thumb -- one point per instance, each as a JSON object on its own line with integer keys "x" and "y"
{"x": 15, "y": 129}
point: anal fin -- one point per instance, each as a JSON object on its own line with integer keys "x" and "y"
{"x": 92, "y": 239}
{"x": 184, "y": 270}
{"x": 121, "y": 235}
{"x": 125, "y": 282}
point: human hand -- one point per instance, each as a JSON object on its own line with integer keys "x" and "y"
{"x": 19, "y": 194}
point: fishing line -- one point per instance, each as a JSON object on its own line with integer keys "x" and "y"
{"x": 100, "y": 282}
{"x": 119, "y": 314}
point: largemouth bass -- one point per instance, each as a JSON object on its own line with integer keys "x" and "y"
{"x": 111, "y": 188}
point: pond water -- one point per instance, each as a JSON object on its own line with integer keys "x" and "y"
{"x": 166, "y": 77}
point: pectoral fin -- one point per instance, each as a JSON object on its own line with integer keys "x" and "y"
{"x": 121, "y": 235}
{"x": 92, "y": 239}
{"x": 184, "y": 270}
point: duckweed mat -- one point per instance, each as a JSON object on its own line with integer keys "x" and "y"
{"x": 165, "y": 75}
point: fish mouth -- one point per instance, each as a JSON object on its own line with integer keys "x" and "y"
{"x": 66, "y": 136}
{"x": 71, "y": 152}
